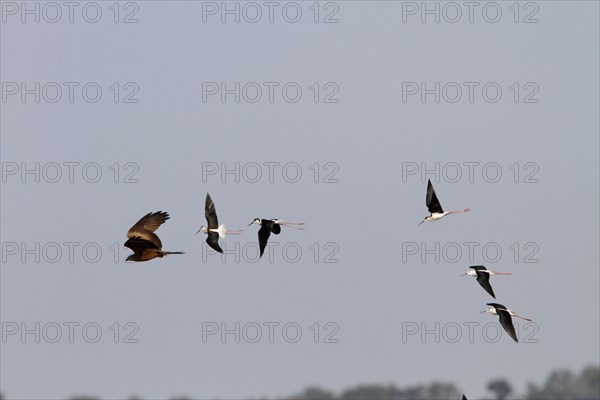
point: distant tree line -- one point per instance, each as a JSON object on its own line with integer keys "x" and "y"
{"x": 560, "y": 385}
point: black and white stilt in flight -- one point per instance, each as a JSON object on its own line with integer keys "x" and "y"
{"x": 483, "y": 276}
{"x": 434, "y": 206}
{"x": 505, "y": 318}
{"x": 271, "y": 225}
{"x": 213, "y": 229}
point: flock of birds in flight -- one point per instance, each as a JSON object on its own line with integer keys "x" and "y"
{"x": 146, "y": 245}
{"x": 481, "y": 273}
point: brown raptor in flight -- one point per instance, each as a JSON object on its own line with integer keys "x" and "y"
{"x": 142, "y": 239}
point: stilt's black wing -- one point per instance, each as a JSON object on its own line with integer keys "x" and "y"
{"x": 263, "y": 235}
{"x": 506, "y": 322}
{"x": 210, "y": 212}
{"x": 484, "y": 280}
{"x": 431, "y": 200}
{"x": 213, "y": 241}
{"x": 478, "y": 267}
{"x": 276, "y": 229}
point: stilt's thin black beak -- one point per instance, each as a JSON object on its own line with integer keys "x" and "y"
{"x": 250, "y": 223}
{"x": 198, "y": 231}
{"x": 421, "y": 222}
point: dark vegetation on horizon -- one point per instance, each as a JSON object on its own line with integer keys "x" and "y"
{"x": 560, "y": 384}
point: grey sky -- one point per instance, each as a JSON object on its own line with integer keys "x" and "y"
{"x": 370, "y": 214}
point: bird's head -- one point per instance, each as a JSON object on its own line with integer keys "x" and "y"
{"x": 491, "y": 310}
{"x": 255, "y": 221}
{"x": 470, "y": 272}
{"x": 426, "y": 219}
{"x": 202, "y": 229}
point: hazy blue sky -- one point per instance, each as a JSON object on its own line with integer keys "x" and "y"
{"x": 362, "y": 212}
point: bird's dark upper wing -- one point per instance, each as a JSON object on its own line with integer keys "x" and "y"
{"x": 484, "y": 280}
{"x": 276, "y": 228}
{"x": 263, "y": 236}
{"x": 146, "y": 226}
{"x": 213, "y": 241}
{"x": 506, "y": 322}
{"x": 210, "y": 212}
{"x": 138, "y": 245}
{"x": 431, "y": 200}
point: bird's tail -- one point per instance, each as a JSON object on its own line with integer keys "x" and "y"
{"x": 222, "y": 231}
